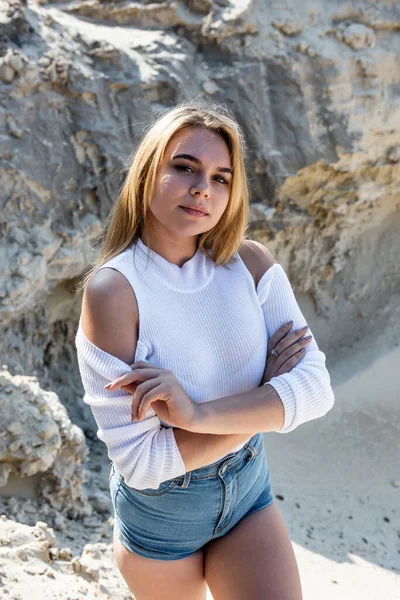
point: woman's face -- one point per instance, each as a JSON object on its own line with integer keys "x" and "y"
{"x": 202, "y": 181}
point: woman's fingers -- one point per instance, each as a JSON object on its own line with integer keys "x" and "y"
{"x": 291, "y": 362}
{"x": 131, "y": 387}
{"x": 279, "y": 335}
{"x": 135, "y": 375}
{"x": 291, "y": 351}
{"x": 140, "y": 391}
{"x": 289, "y": 340}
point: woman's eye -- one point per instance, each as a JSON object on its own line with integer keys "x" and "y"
{"x": 180, "y": 167}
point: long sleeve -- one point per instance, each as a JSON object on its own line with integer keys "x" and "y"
{"x": 145, "y": 452}
{"x": 305, "y": 391}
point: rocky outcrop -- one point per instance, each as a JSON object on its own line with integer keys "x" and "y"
{"x": 34, "y": 566}
{"x": 38, "y": 438}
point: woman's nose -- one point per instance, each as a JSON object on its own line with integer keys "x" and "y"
{"x": 201, "y": 187}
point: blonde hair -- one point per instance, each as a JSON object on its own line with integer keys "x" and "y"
{"x": 127, "y": 218}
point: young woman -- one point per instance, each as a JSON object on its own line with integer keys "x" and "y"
{"x": 191, "y": 345}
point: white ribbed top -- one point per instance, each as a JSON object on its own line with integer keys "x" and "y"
{"x": 210, "y": 327}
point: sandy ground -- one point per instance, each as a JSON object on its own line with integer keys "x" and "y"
{"x": 336, "y": 480}
{"x": 339, "y": 477}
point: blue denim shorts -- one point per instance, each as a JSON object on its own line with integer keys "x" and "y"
{"x": 185, "y": 513}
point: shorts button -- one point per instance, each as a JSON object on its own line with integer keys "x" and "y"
{"x": 222, "y": 471}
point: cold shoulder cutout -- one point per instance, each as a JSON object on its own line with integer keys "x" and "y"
{"x": 265, "y": 282}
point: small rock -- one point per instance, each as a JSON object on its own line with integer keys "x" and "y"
{"x": 369, "y": 66}
{"x": 49, "y": 573}
{"x": 288, "y": 27}
{"x": 79, "y": 567}
{"x": 7, "y": 73}
{"x": 15, "y": 428}
{"x": 210, "y": 87}
{"x": 307, "y": 49}
{"x": 200, "y": 6}
{"x": 16, "y": 62}
{"x": 394, "y": 157}
{"x": 358, "y": 36}
{"x": 65, "y": 554}
{"x": 14, "y": 446}
{"x": 47, "y": 432}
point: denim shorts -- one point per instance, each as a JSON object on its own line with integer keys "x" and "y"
{"x": 185, "y": 513}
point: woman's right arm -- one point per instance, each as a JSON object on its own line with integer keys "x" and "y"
{"x": 109, "y": 321}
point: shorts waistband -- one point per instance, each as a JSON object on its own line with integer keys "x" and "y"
{"x": 250, "y": 450}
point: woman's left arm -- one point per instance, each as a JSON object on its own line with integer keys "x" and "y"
{"x": 305, "y": 391}
{"x": 287, "y": 400}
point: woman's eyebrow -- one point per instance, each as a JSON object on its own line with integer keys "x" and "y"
{"x": 196, "y": 160}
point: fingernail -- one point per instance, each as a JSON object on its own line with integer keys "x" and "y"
{"x": 308, "y": 337}
{"x": 304, "y": 328}
{"x": 106, "y": 387}
{"x": 289, "y": 323}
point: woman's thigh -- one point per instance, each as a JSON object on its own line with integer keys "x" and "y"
{"x": 170, "y": 580}
{"x": 255, "y": 559}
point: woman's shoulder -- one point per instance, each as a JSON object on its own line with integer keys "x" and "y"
{"x": 109, "y": 317}
{"x": 107, "y": 284}
{"x": 109, "y": 281}
{"x": 257, "y": 258}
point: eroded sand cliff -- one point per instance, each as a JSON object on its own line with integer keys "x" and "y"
{"x": 316, "y": 88}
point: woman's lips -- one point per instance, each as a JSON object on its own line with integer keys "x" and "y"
{"x": 193, "y": 213}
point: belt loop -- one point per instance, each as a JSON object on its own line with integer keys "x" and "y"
{"x": 251, "y": 449}
{"x": 252, "y": 452}
{"x": 186, "y": 480}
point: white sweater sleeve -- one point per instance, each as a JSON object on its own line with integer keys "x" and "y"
{"x": 145, "y": 452}
{"x": 305, "y": 391}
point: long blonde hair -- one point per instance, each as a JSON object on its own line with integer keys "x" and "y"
{"x": 127, "y": 218}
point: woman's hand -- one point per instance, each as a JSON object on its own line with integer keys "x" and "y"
{"x": 290, "y": 348}
{"x": 151, "y": 385}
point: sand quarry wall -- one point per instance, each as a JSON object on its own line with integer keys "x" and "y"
{"x": 315, "y": 86}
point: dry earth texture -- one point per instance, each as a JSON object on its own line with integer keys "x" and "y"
{"x": 315, "y": 86}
